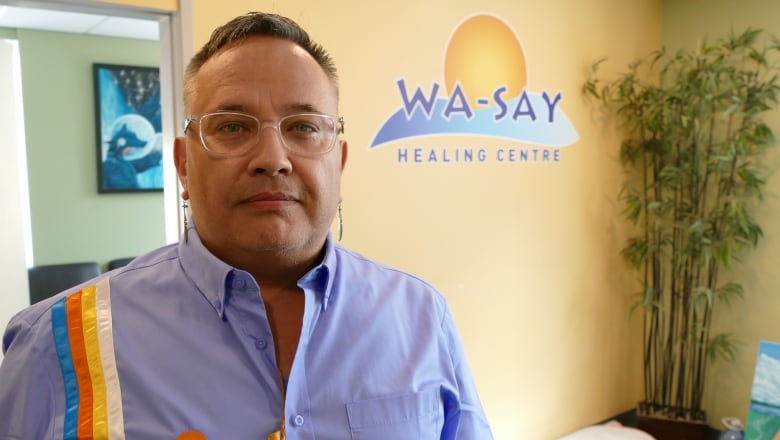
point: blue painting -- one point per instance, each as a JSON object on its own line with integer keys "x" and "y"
{"x": 129, "y": 128}
{"x": 763, "y": 422}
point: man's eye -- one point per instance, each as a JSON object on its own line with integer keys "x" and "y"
{"x": 304, "y": 127}
{"x": 231, "y": 127}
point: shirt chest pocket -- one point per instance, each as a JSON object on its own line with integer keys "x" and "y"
{"x": 417, "y": 416}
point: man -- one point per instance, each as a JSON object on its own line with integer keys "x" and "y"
{"x": 257, "y": 325}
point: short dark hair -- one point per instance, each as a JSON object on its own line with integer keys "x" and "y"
{"x": 253, "y": 24}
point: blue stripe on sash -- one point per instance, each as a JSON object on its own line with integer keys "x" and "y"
{"x": 59, "y": 323}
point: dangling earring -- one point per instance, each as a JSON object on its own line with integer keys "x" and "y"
{"x": 184, "y": 206}
{"x": 341, "y": 223}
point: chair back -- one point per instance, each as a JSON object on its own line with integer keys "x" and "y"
{"x": 119, "y": 262}
{"x": 49, "y": 279}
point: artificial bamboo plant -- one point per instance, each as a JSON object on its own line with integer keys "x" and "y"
{"x": 693, "y": 147}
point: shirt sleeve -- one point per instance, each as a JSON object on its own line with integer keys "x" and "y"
{"x": 464, "y": 418}
{"x": 27, "y": 401}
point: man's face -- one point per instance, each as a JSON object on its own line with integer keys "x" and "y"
{"x": 268, "y": 200}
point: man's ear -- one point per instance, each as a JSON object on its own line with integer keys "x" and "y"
{"x": 180, "y": 160}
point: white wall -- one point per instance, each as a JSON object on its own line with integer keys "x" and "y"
{"x": 13, "y": 188}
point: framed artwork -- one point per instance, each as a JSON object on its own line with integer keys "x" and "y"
{"x": 129, "y": 128}
{"x": 763, "y": 422}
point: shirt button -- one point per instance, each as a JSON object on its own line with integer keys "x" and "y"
{"x": 261, "y": 344}
{"x": 298, "y": 420}
{"x": 218, "y": 304}
{"x": 239, "y": 284}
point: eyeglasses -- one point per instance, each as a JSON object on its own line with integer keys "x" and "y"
{"x": 234, "y": 134}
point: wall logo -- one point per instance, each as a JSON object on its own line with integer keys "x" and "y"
{"x": 484, "y": 94}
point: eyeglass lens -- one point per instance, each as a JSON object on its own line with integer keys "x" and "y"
{"x": 235, "y": 133}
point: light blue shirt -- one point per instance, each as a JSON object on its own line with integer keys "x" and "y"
{"x": 184, "y": 344}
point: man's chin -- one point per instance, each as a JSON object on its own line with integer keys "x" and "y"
{"x": 282, "y": 241}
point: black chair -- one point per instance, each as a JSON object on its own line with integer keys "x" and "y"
{"x": 119, "y": 262}
{"x": 49, "y": 279}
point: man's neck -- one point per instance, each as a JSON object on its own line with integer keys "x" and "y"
{"x": 274, "y": 268}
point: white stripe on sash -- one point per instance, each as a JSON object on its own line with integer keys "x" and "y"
{"x": 116, "y": 424}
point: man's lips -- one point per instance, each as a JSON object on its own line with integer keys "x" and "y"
{"x": 269, "y": 198}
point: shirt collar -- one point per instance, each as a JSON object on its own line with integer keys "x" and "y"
{"x": 211, "y": 275}
{"x": 207, "y": 272}
{"x": 320, "y": 278}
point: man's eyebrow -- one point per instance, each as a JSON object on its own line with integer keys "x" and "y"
{"x": 289, "y": 109}
{"x": 302, "y": 107}
{"x": 230, "y": 108}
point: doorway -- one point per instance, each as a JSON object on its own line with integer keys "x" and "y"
{"x": 169, "y": 37}
{"x": 91, "y": 17}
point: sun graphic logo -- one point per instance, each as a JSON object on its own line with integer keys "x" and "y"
{"x": 484, "y": 94}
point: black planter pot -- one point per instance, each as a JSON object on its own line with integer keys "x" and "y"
{"x": 671, "y": 423}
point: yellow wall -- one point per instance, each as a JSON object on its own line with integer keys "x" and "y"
{"x": 527, "y": 254}
{"x": 756, "y": 317}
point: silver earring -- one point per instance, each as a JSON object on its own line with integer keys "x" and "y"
{"x": 341, "y": 223}
{"x": 184, "y": 207}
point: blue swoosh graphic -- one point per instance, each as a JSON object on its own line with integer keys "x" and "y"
{"x": 559, "y": 133}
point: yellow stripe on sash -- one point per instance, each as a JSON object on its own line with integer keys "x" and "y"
{"x": 92, "y": 345}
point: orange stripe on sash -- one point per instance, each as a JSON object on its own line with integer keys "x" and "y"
{"x": 80, "y": 365}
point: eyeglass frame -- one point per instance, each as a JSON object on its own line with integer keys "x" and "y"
{"x": 338, "y": 125}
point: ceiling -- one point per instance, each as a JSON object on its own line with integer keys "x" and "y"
{"x": 78, "y": 23}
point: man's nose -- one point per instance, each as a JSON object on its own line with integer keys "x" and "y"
{"x": 269, "y": 155}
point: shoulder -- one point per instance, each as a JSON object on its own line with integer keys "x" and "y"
{"x": 158, "y": 259}
{"x": 364, "y": 276}
{"x": 145, "y": 273}
{"x": 38, "y": 314}
{"x": 354, "y": 262}
{"x": 35, "y": 320}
